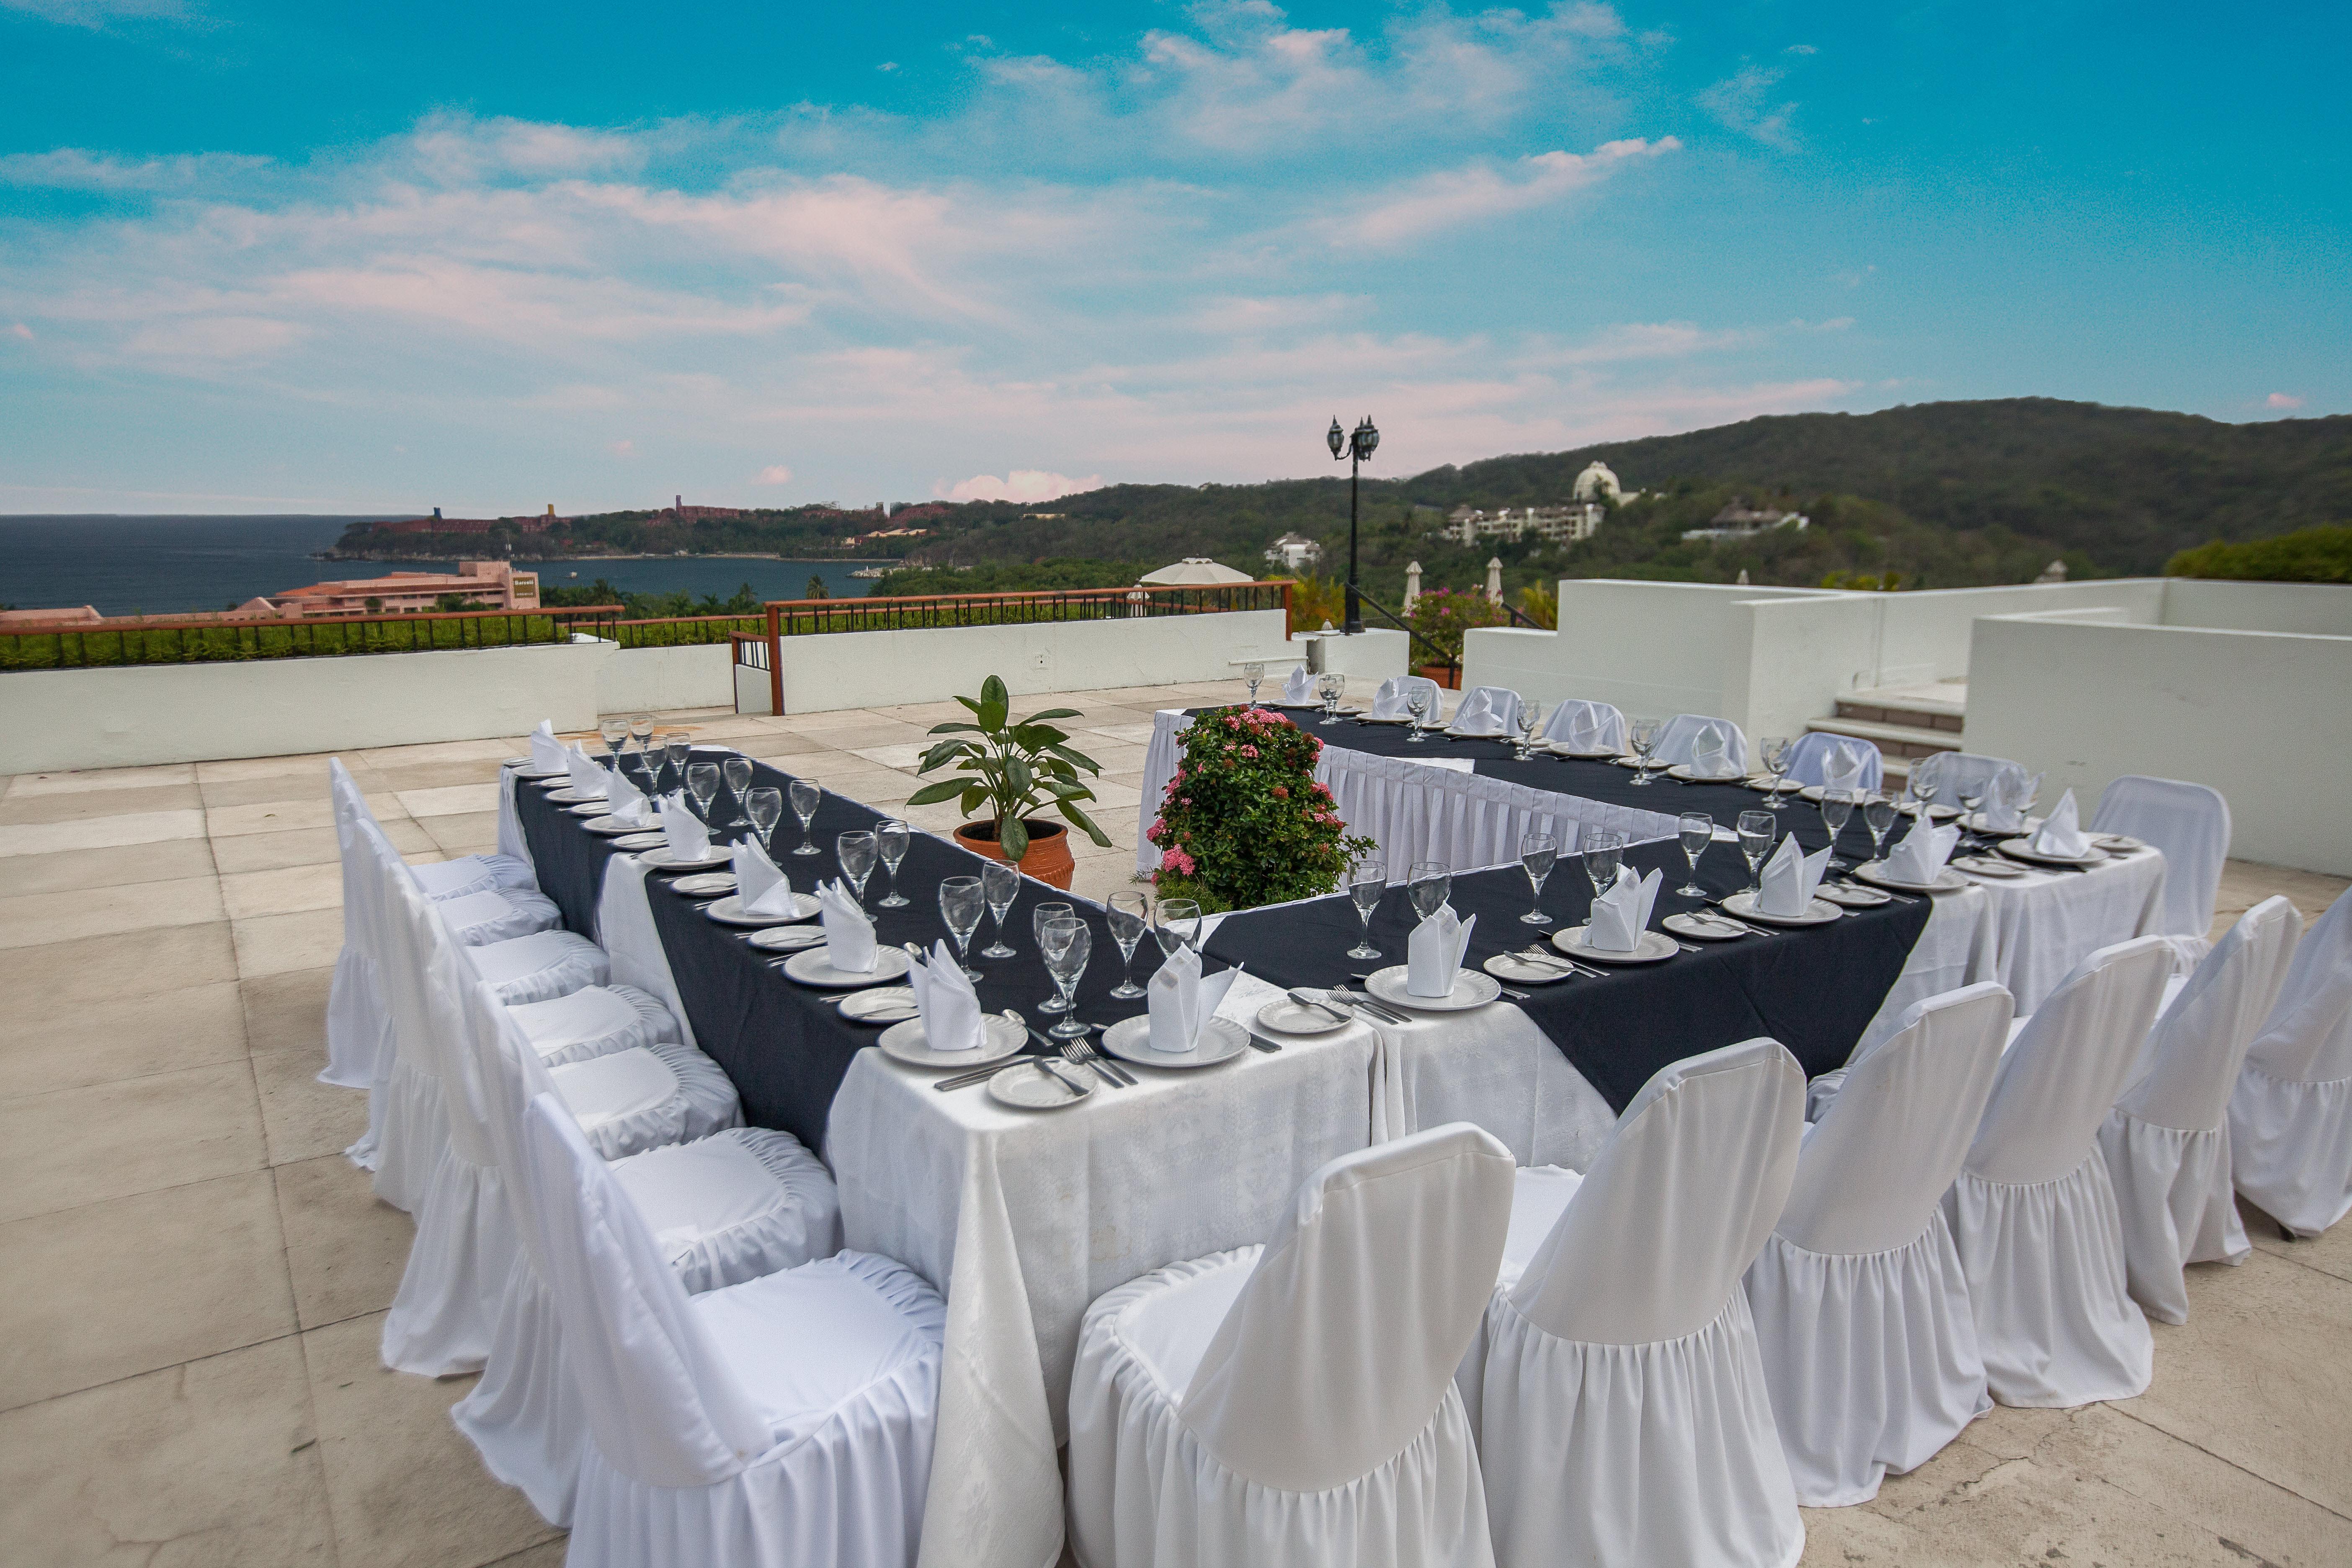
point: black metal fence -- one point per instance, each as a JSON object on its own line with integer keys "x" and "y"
{"x": 139, "y": 643}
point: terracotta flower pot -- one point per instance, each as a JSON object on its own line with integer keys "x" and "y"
{"x": 1048, "y": 859}
{"x": 1444, "y": 675}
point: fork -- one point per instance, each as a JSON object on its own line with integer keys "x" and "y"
{"x": 1082, "y": 1052}
{"x": 1538, "y": 954}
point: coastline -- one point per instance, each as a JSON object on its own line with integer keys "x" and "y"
{"x": 653, "y": 555}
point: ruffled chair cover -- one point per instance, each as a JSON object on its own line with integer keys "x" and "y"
{"x": 648, "y": 1096}
{"x": 787, "y": 1420}
{"x": 1870, "y": 1349}
{"x": 544, "y": 964}
{"x": 513, "y": 845}
{"x": 2167, "y": 1143}
{"x": 2291, "y": 1111}
{"x": 1566, "y": 715}
{"x": 474, "y": 874}
{"x": 491, "y": 915}
{"x": 2191, "y": 825}
{"x": 593, "y": 1021}
{"x": 1505, "y": 702}
{"x": 406, "y": 1109}
{"x": 1293, "y": 1403}
{"x": 1811, "y": 753}
{"x": 2032, "y": 1212}
{"x": 1682, "y": 732}
{"x": 358, "y": 1025}
{"x": 1965, "y": 772}
{"x": 1623, "y": 1417}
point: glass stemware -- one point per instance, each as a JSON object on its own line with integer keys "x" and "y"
{"x": 702, "y": 784}
{"x": 1773, "y": 752}
{"x": 891, "y": 838}
{"x": 1066, "y": 943}
{"x": 1040, "y": 917}
{"x": 1254, "y": 673}
{"x": 961, "y": 906}
{"x": 766, "y": 808}
{"x": 1416, "y": 703}
{"x": 856, "y": 852}
{"x": 1131, "y": 915}
{"x": 805, "y": 797}
{"x": 1925, "y": 781}
{"x": 1330, "y": 686}
{"x": 1366, "y": 888}
{"x": 1530, "y": 716}
{"x": 1644, "y": 734}
{"x": 1697, "y": 830}
{"x": 641, "y": 731}
{"x": 1539, "y": 853}
{"x": 679, "y": 750}
{"x": 1001, "y": 883}
{"x": 1756, "y": 832}
{"x": 1429, "y": 884}
{"x": 737, "y": 771}
{"x": 616, "y": 735}
{"x": 1837, "y": 810}
{"x": 1604, "y": 851}
{"x": 1176, "y": 923}
{"x": 1878, "y": 816}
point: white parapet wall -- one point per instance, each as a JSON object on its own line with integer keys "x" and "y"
{"x": 53, "y": 720}
{"x": 657, "y": 680}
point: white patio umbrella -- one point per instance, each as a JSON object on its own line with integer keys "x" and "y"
{"x": 1192, "y": 571}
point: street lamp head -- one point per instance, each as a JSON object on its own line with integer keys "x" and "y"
{"x": 1338, "y": 440}
{"x": 1365, "y": 438}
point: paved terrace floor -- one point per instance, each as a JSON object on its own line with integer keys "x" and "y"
{"x": 193, "y": 1278}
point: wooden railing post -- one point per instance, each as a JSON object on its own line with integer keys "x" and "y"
{"x": 775, "y": 663}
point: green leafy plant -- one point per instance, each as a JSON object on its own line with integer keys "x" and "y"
{"x": 1442, "y": 615}
{"x": 1013, "y": 769}
{"x": 1243, "y": 823}
{"x": 2322, "y": 554}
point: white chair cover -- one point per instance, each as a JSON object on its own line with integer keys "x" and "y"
{"x": 1812, "y": 750}
{"x": 1505, "y": 702}
{"x": 1961, "y": 773}
{"x": 1623, "y": 1416}
{"x": 2167, "y": 1143}
{"x": 593, "y": 1021}
{"x": 648, "y": 1096}
{"x": 1681, "y": 734}
{"x": 1293, "y": 1403}
{"x": 1566, "y": 715}
{"x": 358, "y": 1026}
{"x": 2191, "y": 825}
{"x": 1869, "y": 1347}
{"x": 490, "y": 915}
{"x": 474, "y": 874}
{"x": 544, "y": 964}
{"x": 2032, "y": 1211}
{"x": 786, "y": 1420}
{"x": 512, "y": 844}
{"x": 1409, "y": 684}
{"x": 405, "y": 1110}
{"x": 2291, "y": 1112}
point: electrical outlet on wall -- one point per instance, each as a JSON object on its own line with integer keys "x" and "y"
{"x": 1041, "y": 660}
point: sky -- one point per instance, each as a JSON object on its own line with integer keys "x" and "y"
{"x": 259, "y": 256}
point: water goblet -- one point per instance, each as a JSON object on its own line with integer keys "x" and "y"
{"x": 856, "y": 852}
{"x": 641, "y": 731}
{"x": 1697, "y": 830}
{"x": 1366, "y": 887}
{"x": 961, "y": 906}
{"x": 1176, "y": 923}
{"x": 1644, "y": 734}
{"x": 1040, "y": 917}
{"x": 1530, "y": 716}
{"x": 737, "y": 771}
{"x": 679, "y": 749}
{"x": 1837, "y": 810}
{"x": 1254, "y": 673}
{"x": 1539, "y": 852}
{"x": 1131, "y": 916}
{"x": 1756, "y": 832}
{"x": 891, "y": 837}
{"x": 1416, "y": 702}
{"x": 1878, "y": 816}
{"x": 805, "y": 797}
{"x": 1067, "y": 943}
{"x": 766, "y": 807}
{"x": 1328, "y": 686}
{"x": 1772, "y": 750}
{"x": 1001, "y": 883}
{"x": 1926, "y": 782}
{"x": 702, "y": 784}
{"x": 1604, "y": 851}
{"x": 1429, "y": 884}
{"x": 615, "y": 733}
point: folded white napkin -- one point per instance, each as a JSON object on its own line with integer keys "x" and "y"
{"x": 848, "y": 934}
{"x": 1790, "y": 878}
{"x": 1389, "y": 702}
{"x": 1920, "y": 854}
{"x": 759, "y": 883}
{"x": 1181, "y": 1003}
{"x": 943, "y": 995}
{"x": 1711, "y": 755}
{"x": 1298, "y": 686}
{"x": 688, "y": 838}
{"x": 2063, "y": 834}
{"x": 1621, "y": 914}
{"x": 1591, "y": 731}
{"x": 1433, "y": 952}
{"x": 587, "y": 778}
{"x": 546, "y": 751}
{"x": 626, "y": 800}
{"x": 2005, "y": 800}
{"x": 1842, "y": 769}
{"x": 1476, "y": 716}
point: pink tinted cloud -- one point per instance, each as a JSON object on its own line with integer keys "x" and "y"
{"x": 2281, "y": 400}
{"x": 1018, "y": 485}
{"x": 775, "y": 474}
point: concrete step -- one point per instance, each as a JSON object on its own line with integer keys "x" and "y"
{"x": 1896, "y": 743}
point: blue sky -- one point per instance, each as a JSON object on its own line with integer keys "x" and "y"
{"x": 276, "y": 256}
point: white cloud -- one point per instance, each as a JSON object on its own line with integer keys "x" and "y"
{"x": 74, "y": 169}
{"x": 623, "y": 448}
{"x": 1741, "y": 102}
{"x": 1455, "y": 198}
{"x": 18, "y": 330}
{"x": 2281, "y": 400}
{"x": 95, "y": 14}
{"x": 775, "y": 474}
{"x": 1019, "y": 485}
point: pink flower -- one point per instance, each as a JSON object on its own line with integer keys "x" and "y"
{"x": 1185, "y": 801}
{"x": 1159, "y": 827}
{"x": 1173, "y": 859}
{"x": 1249, "y": 750}
{"x": 1280, "y": 793}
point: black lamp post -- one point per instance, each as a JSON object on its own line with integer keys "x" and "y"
{"x": 1356, "y": 446}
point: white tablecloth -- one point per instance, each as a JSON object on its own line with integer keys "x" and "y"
{"x": 2045, "y": 922}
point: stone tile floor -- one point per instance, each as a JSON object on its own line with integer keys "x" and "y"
{"x": 193, "y": 1278}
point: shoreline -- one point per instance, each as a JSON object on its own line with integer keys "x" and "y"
{"x": 519, "y": 560}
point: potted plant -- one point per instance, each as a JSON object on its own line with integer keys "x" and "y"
{"x": 1243, "y": 822}
{"x": 1013, "y": 770}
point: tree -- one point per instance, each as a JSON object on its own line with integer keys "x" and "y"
{"x": 816, "y": 589}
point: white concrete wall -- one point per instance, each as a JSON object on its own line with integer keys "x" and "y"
{"x": 2318, "y": 609}
{"x": 54, "y": 719}
{"x": 652, "y": 679}
{"x": 2265, "y": 718}
{"x": 1371, "y": 654}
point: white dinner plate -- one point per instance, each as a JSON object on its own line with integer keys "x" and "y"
{"x": 1935, "y": 813}
{"x": 1400, "y": 719}
{"x": 1819, "y": 912}
{"x": 1027, "y": 1086}
{"x": 1947, "y": 880}
{"x": 730, "y": 912}
{"x": 1705, "y": 925}
{"x": 1975, "y": 823}
{"x": 1295, "y": 707}
{"x": 1129, "y": 1040}
{"x": 1633, "y": 763}
{"x": 611, "y": 827}
{"x": 541, "y": 775}
{"x": 636, "y": 840}
{"x": 2022, "y": 849}
{"x": 1472, "y": 988}
{"x": 814, "y": 966}
{"x": 704, "y": 884}
{"x": 880, "y": 1004}
{"x": 1683, "y": 771}
{"x": 659, "y": 858}
{"x": 597, "y": 808}
{"x": 2118, "y": 843}
{"x": 1000, "y": 1037}
{"x": 520, "y": 765}
{"x": 1284, "y": 1017}
{"x": 1845, "y": 895}
{"x": 1986, "y": 866}
{"x": 1560, "y": 749}
{"x": 1521, "y": 971}
{"x": 786, "y": 938}
{"x": 1653, "y": 948}
{"x": 568, "y": 796}
{"x": 1453, "y": 734}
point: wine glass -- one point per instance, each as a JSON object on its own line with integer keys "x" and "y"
{"x": 1429, "y": 884}
{"x": 1176, "y": 923}
{"x": 1131, "y": 915}
{"x": 702, "y": 782}
{"x": 737, "y": 771}
{"x": 1416, "y": 702}
{"x": 1756, "y": 831}
{"x": 641, "y": 731}
{"x": 1878, "y": 816}
{"x": 891, "y": 837}
{"x": 1970, "y": 793}
{"x": 1254, "y": 673}
{"x": 1773, "y": 750}
{"x": 805, "y": 797}
{"x": 1643, "y": 733}
{"x": 1368, "y": 885}
{"x": 766, "y": 807}
{"x": 1067, "y": 943}
{"x": 1329, "y": 686}
{"x": 960, "y": 905}
{"x": 1001, "y": 883}
{"x": 854, "y": 851}
{"x": 1696, "y": 829}
{"x": 1926, "y": 779}
{"x": 616, "y": 735}
{"x": 1837, "y": 810}
{"x": 1040, "y": 917}
{"x": 1604, "y": 851}
{"x": 1539, "y": 852}
{"x": 679, "y": 749}
{"x": 1530, "y": 717}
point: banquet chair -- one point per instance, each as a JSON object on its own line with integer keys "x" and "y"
{"x": 2167, "y": 1142}
{"x": 1501, "y": 700}
{"x": 742, "y": 1203}
{"x": 1809, "y": 760}
{"x": 788, "y": 1419}
{"x": 1869, "y": 1348}
{"x": 1404, "y": 685}
{"x": 1681, "y": 734}
{"x": 541, "y": 966}
{"x": 1293, "y": 1403}
{"x": 2191, "y": 824}
{"x": 2291, "y": 1111}
{"x": 1568, "y": 714}
{"x": 2032, "y": 1211}
{"x": 450, "y": 878}
{"x": 359, "y": 1029}
{"x": 1958, "y": 774}
{"x": 494, "y": 915}
{"x": 1623, "y": 1417}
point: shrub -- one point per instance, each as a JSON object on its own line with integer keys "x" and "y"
{"x": 1442, "y": 616}
{"x": 2322, "y": 554}
{"x": 1243, "y": 823}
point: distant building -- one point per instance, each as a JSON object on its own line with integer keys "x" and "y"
{"x": 436, "y": 523}
{"x": 62, "y": 617}
{"x": 493, "y": 584}
{"x": 1561, "y": 524}
{"x": 1599, "y": 482}
{"x": 1293, "y": 553}
{"x": 1740, "y": 521}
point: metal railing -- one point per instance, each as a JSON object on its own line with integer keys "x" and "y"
{"x": 686, "y": 631}
{"x": 166, "y": 642}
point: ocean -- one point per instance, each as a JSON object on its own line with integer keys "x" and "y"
{"x": 167, "y": 565}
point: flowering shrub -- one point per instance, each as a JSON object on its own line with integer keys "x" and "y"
{"x": 1442, "y": 616}
{"x": 1243, "y": 822}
